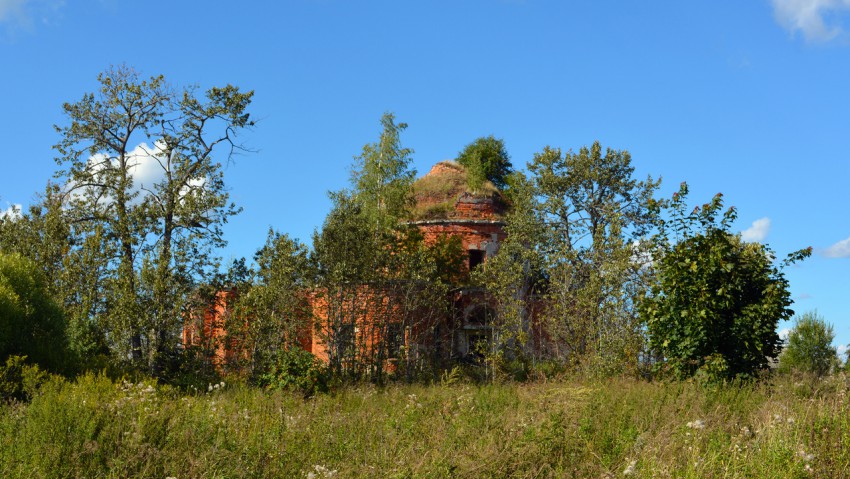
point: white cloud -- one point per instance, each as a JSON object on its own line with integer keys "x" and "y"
{"x": 23, "y": 14}
{"x": 11, "y": 9}
{"x": 143, "y": 165}
{"x": 146, "y": 169}
{"x": 803, "y": 297}
{"x": 815, "y": 19}
{"x": 147, "y": 166}
{"x": 783, "y": 333}
{"x": 842, "y": 351}
{"x": 13, "y": 211}
{"x": 757, "y": 231}
{"x": 642, "y": 254}
{"x": 838, "y": 250}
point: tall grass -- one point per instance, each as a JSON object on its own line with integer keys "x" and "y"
{"x": 93, "y": 427}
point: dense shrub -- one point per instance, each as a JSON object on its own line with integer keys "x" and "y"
{"x": 31, "y": 323}
{"x": 718, "y": 299}
{"x": 809, "y": 346}
{"x": 297, "y": 370}
{"x": 19, "y": 380}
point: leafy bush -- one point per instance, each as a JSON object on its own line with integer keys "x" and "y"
{"x": 718, "y": 299}
{"x": 31, "y": 323}
{"x": 298, "y": 370}
{"x": 486, "y": 159}
{"x": 19, "y": 380}
{"x": 809, "y": 346}
{"x": 189, "y": 369}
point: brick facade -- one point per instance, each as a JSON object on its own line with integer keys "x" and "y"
{"x": 475, "y": 219}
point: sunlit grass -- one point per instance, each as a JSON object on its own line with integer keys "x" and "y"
{"x": 617, "y": 428}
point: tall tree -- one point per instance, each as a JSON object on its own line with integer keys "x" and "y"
{"x": 578, "y": 221}
{"x": 382, "y": 176}
{"x": 513, "y": 277}
{"x": 594, "y": 211}
{"x": 190, "y": 202}
{"x": 378, "y": 281}
{"x": 157, "y": 232}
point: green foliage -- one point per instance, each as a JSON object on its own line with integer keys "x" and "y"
{"x": 809, "y": 347}
{"x": 437, "y": 195}
{"x": 376, "y": 278}
{"x": 486, "y": 159}
{"x": 718, "y": 299}
{"x": 446, "y": 260}
{"x": 19, "y": 380}
{"x": 31, "y": 323}
{"x": 44, "y": 235}
{"x": 577, "y": 223}
{"x": 382, "y": 175}
{"x": 139, "y": 249}
{"x": 273, "y": 312}
{"x": 296, "y": 370}
{"x": 514, "y": 275}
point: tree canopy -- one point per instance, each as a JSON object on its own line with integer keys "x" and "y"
{"x": 486, "y": 159}
{"x": 572, "y": 231}
{"x": 151, "y": 238}
{"x": 718, "y": 299}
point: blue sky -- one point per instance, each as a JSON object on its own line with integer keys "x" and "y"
{"x": 748, "y": 98}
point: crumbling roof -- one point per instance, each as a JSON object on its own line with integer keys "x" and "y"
{"x": 444, "y": 194}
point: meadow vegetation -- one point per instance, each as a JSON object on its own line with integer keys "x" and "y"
{"x": 784, "y": 426}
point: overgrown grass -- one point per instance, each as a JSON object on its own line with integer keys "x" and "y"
{"x": 437, "y": 195}
{"x": 93, "y": 427}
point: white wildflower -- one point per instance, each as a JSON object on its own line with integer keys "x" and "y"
{"x": 698, "y": 424}
{"x": 321, "y": 472}
{"x": 630, "y": 469}
{"x": 806, "y": 457}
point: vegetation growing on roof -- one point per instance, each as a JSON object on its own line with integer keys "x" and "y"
{"x": 436, "y": 193}
{"x": 486, "y": 160}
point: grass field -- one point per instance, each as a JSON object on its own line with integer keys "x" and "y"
{"x": 93, "y": 427}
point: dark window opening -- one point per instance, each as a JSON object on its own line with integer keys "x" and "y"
{"x": 480, "y": 316}
{"x": 395, "y": 339}
{"x": 476, "y": 257}
{"x": 343, "y": 341}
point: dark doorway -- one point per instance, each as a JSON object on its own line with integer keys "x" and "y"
{"x": 476, "y": 257}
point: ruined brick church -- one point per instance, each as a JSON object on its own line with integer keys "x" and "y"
{"x": 444, "y": 207}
